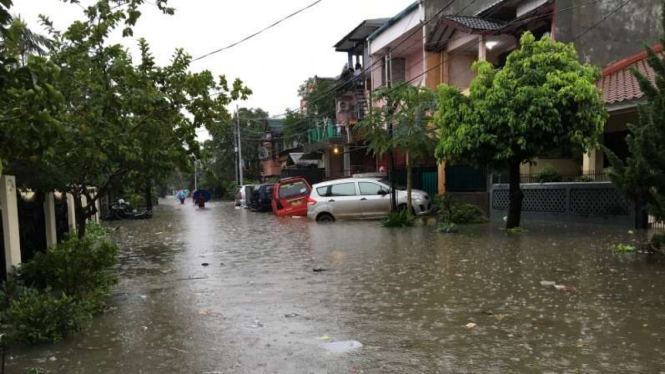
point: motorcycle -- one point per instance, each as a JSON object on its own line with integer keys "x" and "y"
{"x": 122, "y": 210}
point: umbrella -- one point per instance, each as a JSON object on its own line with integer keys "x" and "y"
{"x": 181, "y": 195}
{"x": 205, "y": 193}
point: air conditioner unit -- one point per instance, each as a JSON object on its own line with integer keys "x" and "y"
{"x": 342, "y": 106}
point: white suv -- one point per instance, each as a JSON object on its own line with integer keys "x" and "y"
{"x": 360, "y": 198}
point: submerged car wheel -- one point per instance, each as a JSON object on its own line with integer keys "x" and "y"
{"x": 325, "y": 218}
{"x": 402, "y": 208}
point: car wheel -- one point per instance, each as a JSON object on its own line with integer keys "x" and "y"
{"x": 325, "y": 218}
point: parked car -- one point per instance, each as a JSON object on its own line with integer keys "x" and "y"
{"x": 290, "y": 197}
{"x": 241, "y": 199}
{"x": 261, "y": 200}
{"x": 360, "y": 198}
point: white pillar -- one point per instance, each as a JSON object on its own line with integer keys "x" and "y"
{"x": 49, "y": 216}
{"x": 84, "y": 203}
{"x": 10, "y": 221}
{"x": 71, "y": 213}
{"x": 482, "y": 49}
{"x": 98, "y": 216}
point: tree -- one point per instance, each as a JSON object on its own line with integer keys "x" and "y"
{"x": 408, "y": 109}
{"x": 318, "y": 99}
{"x": 29, "y": 103}
{"x": 120, "y": 119}
{"x": 23, "y": 42}
{"x": 543, "y": 98}
{"x": 642, "y": 176}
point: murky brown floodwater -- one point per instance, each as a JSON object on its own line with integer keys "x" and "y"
{"x": 397, "y": 300}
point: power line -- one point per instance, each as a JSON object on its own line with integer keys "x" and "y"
{"x": 258, "y": 32}
{"x": 520, "y": 21}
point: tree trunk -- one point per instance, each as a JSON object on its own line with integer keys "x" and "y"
{"x": 81, "y": 218}
{"x": 515, "y": 194}
{"x": 409, "y": 185}
{"x": 148, "y": 194}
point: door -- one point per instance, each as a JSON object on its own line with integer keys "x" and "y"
{"x": 343, "y": 198}
{"x": 374, "y": 199}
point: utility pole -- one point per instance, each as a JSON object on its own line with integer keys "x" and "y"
{"x": 235, "y": 155}
{"x": 391, "y": 156}
{"x": 240, "y": 162}
{"x": 196, "y": 167}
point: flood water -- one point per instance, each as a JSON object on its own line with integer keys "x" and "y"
{"x": 387, "y": 300}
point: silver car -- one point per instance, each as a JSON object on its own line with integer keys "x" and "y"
{"x": 360, "y": 198}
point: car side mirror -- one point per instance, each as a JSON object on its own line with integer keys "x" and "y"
{"x": 383, "y": 192}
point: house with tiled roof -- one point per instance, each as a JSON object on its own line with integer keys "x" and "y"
{"x": 623, "y": 96}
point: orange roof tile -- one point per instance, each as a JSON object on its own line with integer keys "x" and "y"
{"x": 618, "y": 83}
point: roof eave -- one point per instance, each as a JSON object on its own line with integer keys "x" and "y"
{"x": 414, "y": 6}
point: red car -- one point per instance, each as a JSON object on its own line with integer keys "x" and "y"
{"x": 290, "y": 197}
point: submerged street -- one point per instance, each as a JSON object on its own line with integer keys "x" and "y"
{"x": 224, "y": 290}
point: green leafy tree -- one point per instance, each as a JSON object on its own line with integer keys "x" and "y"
{"x": 120, "y": 119}
{"x": 642, "y": 175}
{"x": 295, "y": 126}
{"x": 408, "y": 109}
{"x": 29, "y": 103}
{"x": 543, "y": 98}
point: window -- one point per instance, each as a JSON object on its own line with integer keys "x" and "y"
{"x": 293, "y": 189}
{"x": 370, "y": 189}
{"x": 343, "y": 189}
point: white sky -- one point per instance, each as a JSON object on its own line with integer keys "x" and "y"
{"x": 273, "y": 64}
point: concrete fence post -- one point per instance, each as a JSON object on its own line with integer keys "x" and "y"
{"x": 71, "y": 213}
{"x": 49, "y": 217}
{"x": 84, "y": 203}
{"x": 10, "y": 229}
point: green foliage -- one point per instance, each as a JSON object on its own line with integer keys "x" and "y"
{"x": 549, "y": 174}
{"x": 87, "y": 116}
{"x": 642, "y": 176}
{"x": 76, "y": 267}
{"x": 447, "y": 228}
{"x": 517, "y": 230}
{"x": 624, "y": 248}
{"x": 316, "y": 95}
{"x": 37, "y": 317}
{"x": 543, "y": 98}
{"x": 455, "y": 212}
{"x": 398, "y": 220}
{"x": 407, "y": 108}
{"x": 57, "y": 292}
{"x": 657, "y": 241}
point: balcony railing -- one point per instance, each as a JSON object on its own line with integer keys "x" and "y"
{"x": 325, "y": 133}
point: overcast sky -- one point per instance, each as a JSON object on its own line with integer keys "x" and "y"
{"x": 273, "y": 64}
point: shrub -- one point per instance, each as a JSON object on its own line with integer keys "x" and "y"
{"x": 549, "y": 174}
{"x": 460, "y": 213}
{"x": 399, "y": 219}
{"x": 657, "y": 241}
{"x": 447, "y": 228}
{"x": 624, "y": 248}
{"x": 76, "y": 267}
{"x": 35, "y": 317}
{"x": 57, "y": 292}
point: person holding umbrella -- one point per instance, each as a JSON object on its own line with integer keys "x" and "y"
{"x": 200, "y": 198}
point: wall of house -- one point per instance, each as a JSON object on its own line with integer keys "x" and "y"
{"x": 619, "y": 121}
{"x": 623, "y": 34}
{"x": 459, "y": 69}
{"x": 271, "y": 167}
{"x": 415, "y": 66}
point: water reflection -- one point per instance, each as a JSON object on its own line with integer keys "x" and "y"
{"x": 403, "y": 297}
